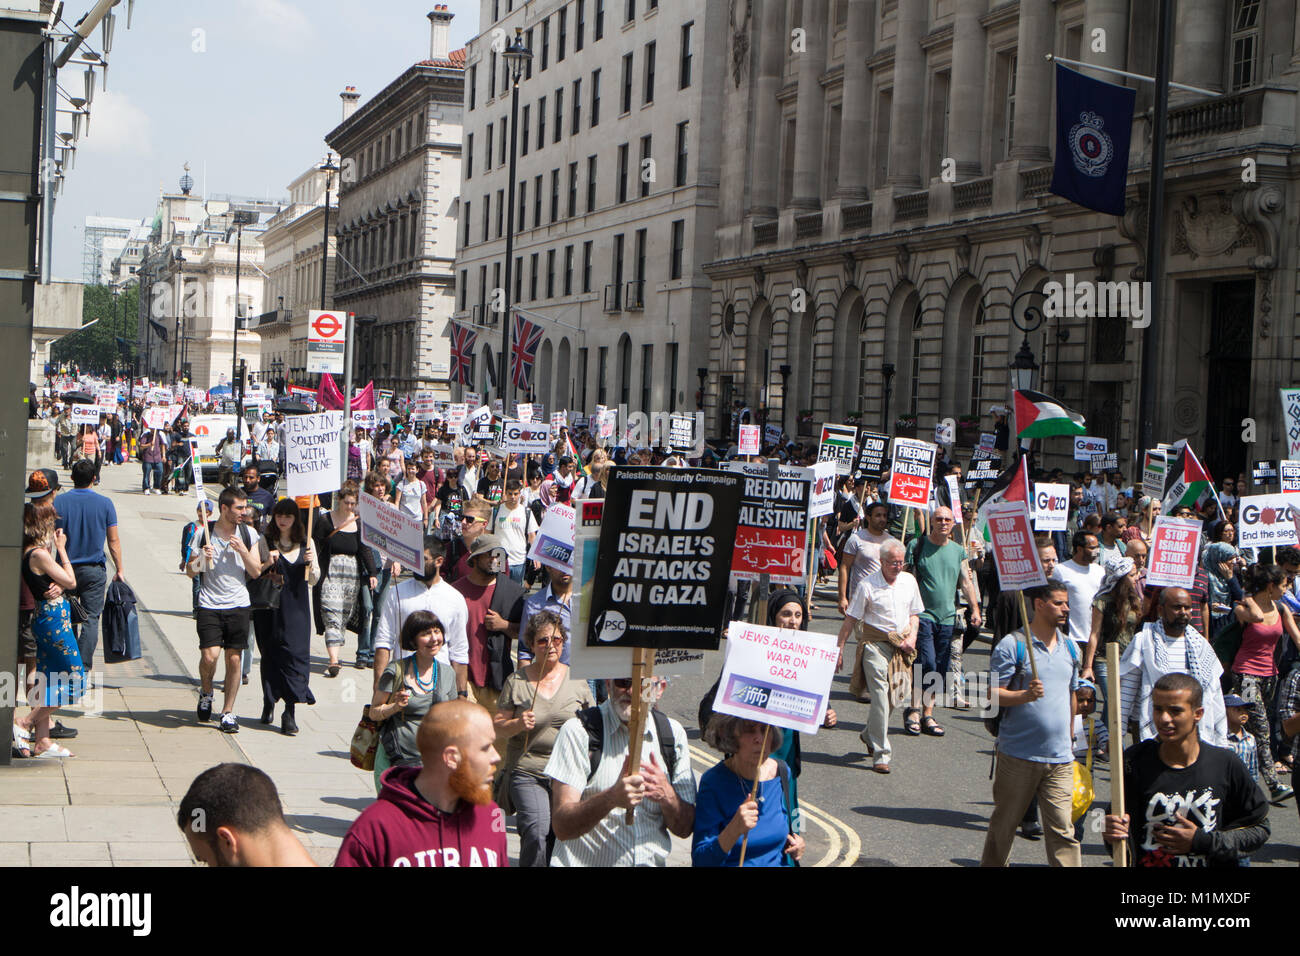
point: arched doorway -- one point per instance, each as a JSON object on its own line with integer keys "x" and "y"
{"x": 961, "y": 385}
{"x": 758, "y": 357}
{"x": 854, "y": 366}
{"x": 542, "y": 381}
{"x": 562, "y": 387}
{"x": 624, "y": 370}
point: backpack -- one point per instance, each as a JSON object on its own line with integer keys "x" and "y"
{"x": 594, "y": 723}
{"x": 994, "y": 723}
{"x": 263, "y": 593}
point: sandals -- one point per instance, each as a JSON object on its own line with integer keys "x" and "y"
{"x": 54, "y": 750}
{"x": 332, "y": 670}
{"x": 912, "y": 723}
{"x": 930, "y": 727}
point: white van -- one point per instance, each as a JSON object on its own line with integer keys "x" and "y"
{"x": 208, "y": 430}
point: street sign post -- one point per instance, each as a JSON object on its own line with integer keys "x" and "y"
{"x": 326, "y": 340}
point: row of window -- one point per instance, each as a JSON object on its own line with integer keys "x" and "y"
{"x": 403, "y": 138}
{"x": 646, "y": 176}
{"x": 379, "y": 244}
{"x": 562, "y": 283}
{"x": 685, "y": 66}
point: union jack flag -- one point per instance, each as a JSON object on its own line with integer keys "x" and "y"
{"x": 523, "y": 350}
{"x": 462, "y": 354}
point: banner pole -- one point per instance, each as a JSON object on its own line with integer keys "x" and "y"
{"x": 1029, "y": 637}
{"x": 1116, "y": 746}
{"x": 642, "y": 670}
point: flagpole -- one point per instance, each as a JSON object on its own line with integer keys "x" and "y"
{"x": 1155, "y": 271}
{"x": 1053, "y": 58}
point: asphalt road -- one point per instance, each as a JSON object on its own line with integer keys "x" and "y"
{"x": 933, "y": 809}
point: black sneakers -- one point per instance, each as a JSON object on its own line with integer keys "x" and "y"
{"x": 205, "y": 707}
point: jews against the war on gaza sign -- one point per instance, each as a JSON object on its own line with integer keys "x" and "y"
{"x": 911, "y": 472}
{"x": 666, "y": 542}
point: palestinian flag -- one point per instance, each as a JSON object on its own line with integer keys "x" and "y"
{"x": 1038, "y": 416}
{"x": 577, "y": 459}
{"x": 1186, "y": 480}
{"x": 1011, "y": 485}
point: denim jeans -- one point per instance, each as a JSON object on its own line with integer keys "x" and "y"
{"x": 154, "y": 470}
{"x": 92, "y": 579}
{"x": 933, "y": 649}
{"x": 517, "y": 572}
{"x": 371, "y": 602}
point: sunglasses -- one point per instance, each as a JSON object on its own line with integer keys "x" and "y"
{"x": 556, "y": 641}
{"x": 468, "y": 519}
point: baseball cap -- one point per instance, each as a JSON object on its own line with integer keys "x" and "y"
{"x": 1234, "y": 700}
{"x": 40, "y": 483}
{"x": 485, "y": 542}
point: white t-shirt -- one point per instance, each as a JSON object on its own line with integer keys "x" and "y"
{"x": 411, "y": 497}
{"x": 512, "y": 529}
{"x": 864, "y": 548}
{"x": 887, "y": 607}
{"x": 1083, "y": 583}
{"x": 223, "y": 587}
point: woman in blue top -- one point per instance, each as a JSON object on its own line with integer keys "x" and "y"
{"x": 724, "y": 811}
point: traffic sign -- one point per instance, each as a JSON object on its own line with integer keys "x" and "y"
{"x": 326, "y": 340}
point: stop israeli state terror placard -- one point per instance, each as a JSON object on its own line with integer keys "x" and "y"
{"x": 1013, "y": 546}
{"x": 666, "y": 542}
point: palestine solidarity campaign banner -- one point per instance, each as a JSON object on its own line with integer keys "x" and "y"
{"x": 666, "y": 542}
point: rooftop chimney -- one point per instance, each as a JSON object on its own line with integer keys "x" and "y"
{"x": 440, "y": 25}
{"x": 349, "y": 96}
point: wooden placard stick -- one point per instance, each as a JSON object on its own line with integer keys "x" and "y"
{"x": 1029, "y": 637}
{"x": 1116, "y": 746}
{"x": 642, "y": 669}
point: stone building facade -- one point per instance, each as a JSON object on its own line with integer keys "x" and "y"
{"x": 842, "y": 247}
{"x": 400, "y": 175}
{"x": 615, "y": 202}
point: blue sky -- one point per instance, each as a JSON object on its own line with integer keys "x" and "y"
{"x": 250, "y": 97}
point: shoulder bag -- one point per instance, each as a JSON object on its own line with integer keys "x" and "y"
{"x": 365, "y": 739}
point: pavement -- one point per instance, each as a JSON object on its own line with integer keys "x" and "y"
{"x": 115, "y": 803}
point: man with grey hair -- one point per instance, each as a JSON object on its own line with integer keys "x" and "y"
{"x": 884, "y": 612}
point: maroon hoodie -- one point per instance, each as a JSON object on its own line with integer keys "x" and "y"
{"x": 401, "y": 828}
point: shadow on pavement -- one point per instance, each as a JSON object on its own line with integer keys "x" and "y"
{"x": 957, "y": 819}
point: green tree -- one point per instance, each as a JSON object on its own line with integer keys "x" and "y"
{"x": 109, "y": 341}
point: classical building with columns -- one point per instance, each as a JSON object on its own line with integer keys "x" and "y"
{"x": 844, "y": 250}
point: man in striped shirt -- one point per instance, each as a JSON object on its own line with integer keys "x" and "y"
{"x": 588, "y": 811}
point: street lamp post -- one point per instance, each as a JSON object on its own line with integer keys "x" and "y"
{"x": 329, "y": 169}
{"x": 887, "y": 371}
{"x": 240, "y": 217}
{"x": 517, "y": 56}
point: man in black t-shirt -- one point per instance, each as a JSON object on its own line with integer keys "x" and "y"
{"x": 1190, "y": 803}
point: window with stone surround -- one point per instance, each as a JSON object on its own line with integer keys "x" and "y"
{"x": 1245, "y": 44}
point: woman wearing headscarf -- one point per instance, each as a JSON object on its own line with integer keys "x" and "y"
{"x": 1221, "y": 560}
{"x": 548, "y": 465}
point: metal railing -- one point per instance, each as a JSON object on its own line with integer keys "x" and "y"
{"x": 613, "y": 301}
{"x": 634, "y": 296}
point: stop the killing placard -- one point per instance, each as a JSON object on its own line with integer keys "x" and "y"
{"x": 666, "y": 542}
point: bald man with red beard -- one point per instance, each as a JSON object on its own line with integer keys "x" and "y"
{"x": 439, "y": 814}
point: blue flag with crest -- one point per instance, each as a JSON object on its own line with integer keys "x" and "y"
{"x": 1094, "y": 121}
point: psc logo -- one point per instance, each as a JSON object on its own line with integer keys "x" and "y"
{"x": 611, "y": 626}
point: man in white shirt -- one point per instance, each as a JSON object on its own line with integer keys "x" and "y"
{"x": 1082, "y": 575}
{"x": 426, "y": 593}
{"x": 516, "y": 528}
{"x": 268, "y": 449}
{"x": 887, "y": 604}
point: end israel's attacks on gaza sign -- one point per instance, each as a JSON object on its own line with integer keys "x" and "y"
{"x": 396, "y": 533}
{"x": 666, "y": 542}
{"x": 311, "y": 453}
{"x": 777, "y": 676}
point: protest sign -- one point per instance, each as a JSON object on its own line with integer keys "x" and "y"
{"x": 524, "y": 411}
{"x": 311, "y": 453}
{"x": 666, "y": 544}
{"x": 457, "y": 412}
{"x": 872, "y": 447}
{"x": 608, "y": 422}
{"x": 772, "y": 533}
{"x": 160, "y": 396}
{"x": 1175, "y": 547}
{"x": 579, "y": 422}
{"x": 1153, "y": 474}
{"x": 558, "y": 420}
{"x": 1051, "y": 506}
{"x": 1264, "y": 472}
{"x": 106, "y": 397}
{"x": 498, "y": 408}
{"x": 86, "y": 414}
{"x": 1289, "y": 472}
{"x": 910, "y": 472}
{"x": 748, "y": 440}
{"x": 681, "y": 432}
{"x": 397, "y": 534}
{"x": 424, "y": 407}
{"x": 1265, "y": 520}
{"x": 1085, "y": 447}
{"x": 985, "y": 447}
{"x": 1291, "y": 420}
{"x": 553, "y": 544}
{"x": 444, "y": 456}
{"x": 954, "y": 497}
{"x": 473, "y": 399}
{"x": 1105, "y": 462}
{"x": 945, "y": 433}
{"x": 771, "y": 434}
{"x": 607, "y": 662}
{"x": 1013, "y": 546}
{"x": 837, "y": 445}
{"x": 525, "y": 438}
{"x": 777, "y": 676}
{"x": 155, "y": 416}
{"x": 822, "y": 501}
{"x": 473, "y": 425}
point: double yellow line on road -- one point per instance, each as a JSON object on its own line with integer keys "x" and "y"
{"x": 845, "y": 846}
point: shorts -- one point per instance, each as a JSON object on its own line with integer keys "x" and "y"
{"x": 225, "y": 628}
{"x": 26, "y": 639}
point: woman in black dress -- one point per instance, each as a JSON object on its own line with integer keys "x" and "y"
{"x": 286, "y": 654}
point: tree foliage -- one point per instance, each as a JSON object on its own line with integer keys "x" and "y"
{"x": 110, "y": 340}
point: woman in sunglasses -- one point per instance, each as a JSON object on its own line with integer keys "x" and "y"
{"x": 534, "y": 704}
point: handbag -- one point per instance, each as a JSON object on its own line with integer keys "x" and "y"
{"x": 76, "y": 609}
{"x": 365, "y": 739}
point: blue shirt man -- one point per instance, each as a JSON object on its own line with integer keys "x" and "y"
{"x": 555, "y": 597}
{"x": 90, "y": 521}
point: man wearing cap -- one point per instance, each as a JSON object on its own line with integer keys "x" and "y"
{"x": 90, "y": 521}
{"x": 495, "y": 604}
